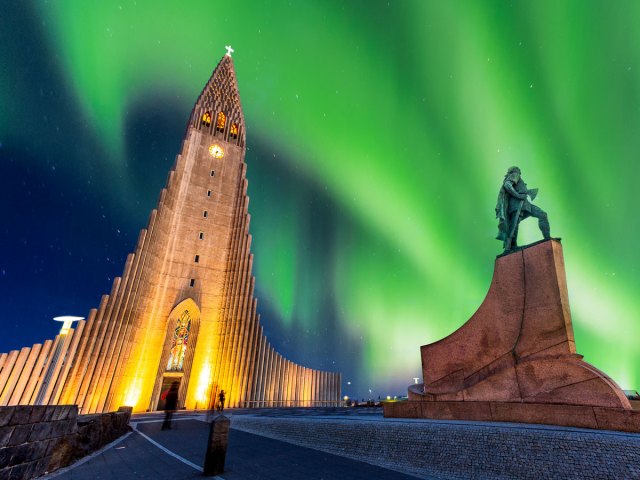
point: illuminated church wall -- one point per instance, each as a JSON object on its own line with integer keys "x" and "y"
{"x": 184, "y": 309}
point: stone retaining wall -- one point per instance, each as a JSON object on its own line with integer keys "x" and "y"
{"x": 462, "y": 450}
{"x": 39, "y": 439}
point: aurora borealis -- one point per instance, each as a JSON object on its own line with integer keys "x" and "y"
{"x": 378, "y": 135}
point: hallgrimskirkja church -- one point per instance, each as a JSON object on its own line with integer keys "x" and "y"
{"x": 184, "y": 309}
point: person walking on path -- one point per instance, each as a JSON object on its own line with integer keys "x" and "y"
{"x": 170, "y": 405}
{"x": 221, "y": 401}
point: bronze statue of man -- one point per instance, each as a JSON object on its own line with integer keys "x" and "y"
{"x": 513, "y": 206}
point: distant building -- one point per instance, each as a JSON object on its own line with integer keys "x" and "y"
{"x": 184, "y": 309}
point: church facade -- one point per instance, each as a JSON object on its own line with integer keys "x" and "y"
{"x": 184, "y": 309}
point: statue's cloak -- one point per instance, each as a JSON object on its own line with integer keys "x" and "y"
{"x": 502, "y": 214}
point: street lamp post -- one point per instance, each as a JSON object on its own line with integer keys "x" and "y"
{"x": 45, "y": 389}
{"x": 67, "y": 321}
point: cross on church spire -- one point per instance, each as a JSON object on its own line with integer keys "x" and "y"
{"x": 229, "y": 50}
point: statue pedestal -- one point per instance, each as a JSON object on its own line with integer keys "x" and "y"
{"x": 515, "y": 359}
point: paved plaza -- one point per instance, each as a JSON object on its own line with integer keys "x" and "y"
{"x": 358, "y": 443}
{"x": 149, "y": 452}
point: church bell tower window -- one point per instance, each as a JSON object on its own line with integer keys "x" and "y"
{"x": 222, "y": 121}
{"x": 234, "y": 130}
{"x": 206, "y": 119}
{"x": 179, "y": 343}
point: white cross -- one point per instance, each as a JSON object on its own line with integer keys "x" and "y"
{"x": 229, "y": 50}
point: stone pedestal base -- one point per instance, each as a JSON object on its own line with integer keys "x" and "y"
{"x": 515, "y": 359}
{"x": 581, "y": 416}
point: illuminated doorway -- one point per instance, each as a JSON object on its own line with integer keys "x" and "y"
{"x": 177, "y": 353}
{"x": 167, "y": 381}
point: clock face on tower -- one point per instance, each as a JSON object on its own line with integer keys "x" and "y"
{"x": 216, "y": 151}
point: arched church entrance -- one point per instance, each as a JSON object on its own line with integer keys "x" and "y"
{"x": 177, "y": 353}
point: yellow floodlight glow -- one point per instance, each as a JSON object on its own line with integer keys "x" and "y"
{"x": 133, "y": 393}
{"x": 203, "y": 383}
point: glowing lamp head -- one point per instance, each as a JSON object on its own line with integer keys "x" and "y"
{"x": 216, "y": 151}
{"x": 67, "y": 321}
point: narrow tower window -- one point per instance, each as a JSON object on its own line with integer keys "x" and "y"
{"x": 201, "y": 236}
{"x": 192, "y": 282}
{"x": 197, "y": 259}
{"x": 205, "y": 213}
{"x": 234, "y": 130}
{"x": 206, "y": 119}
{"x": 208, "y": 193}
{"x": 222, "y": 121}
{"x": 213, "y": 173}
{"x": 179, "y": 343}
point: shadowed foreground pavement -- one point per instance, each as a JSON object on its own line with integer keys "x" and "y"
{"x": 428, "y": 449}
{"x": 248, "y": 457}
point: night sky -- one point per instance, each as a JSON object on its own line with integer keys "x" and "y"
{"x": 378, "y": 135}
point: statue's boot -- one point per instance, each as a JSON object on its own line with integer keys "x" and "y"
{"x": 543, "y": 224}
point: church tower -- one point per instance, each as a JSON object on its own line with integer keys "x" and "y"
{"x": 184, "y": 309}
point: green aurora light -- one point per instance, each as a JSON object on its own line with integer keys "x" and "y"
{"x": 406, "y": 115}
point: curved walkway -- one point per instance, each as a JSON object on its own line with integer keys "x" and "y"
{"x": 178, "y": 454}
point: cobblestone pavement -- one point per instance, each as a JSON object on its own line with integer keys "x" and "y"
{"x": 249, "y": 457}
{"x": 451, "y": 450}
